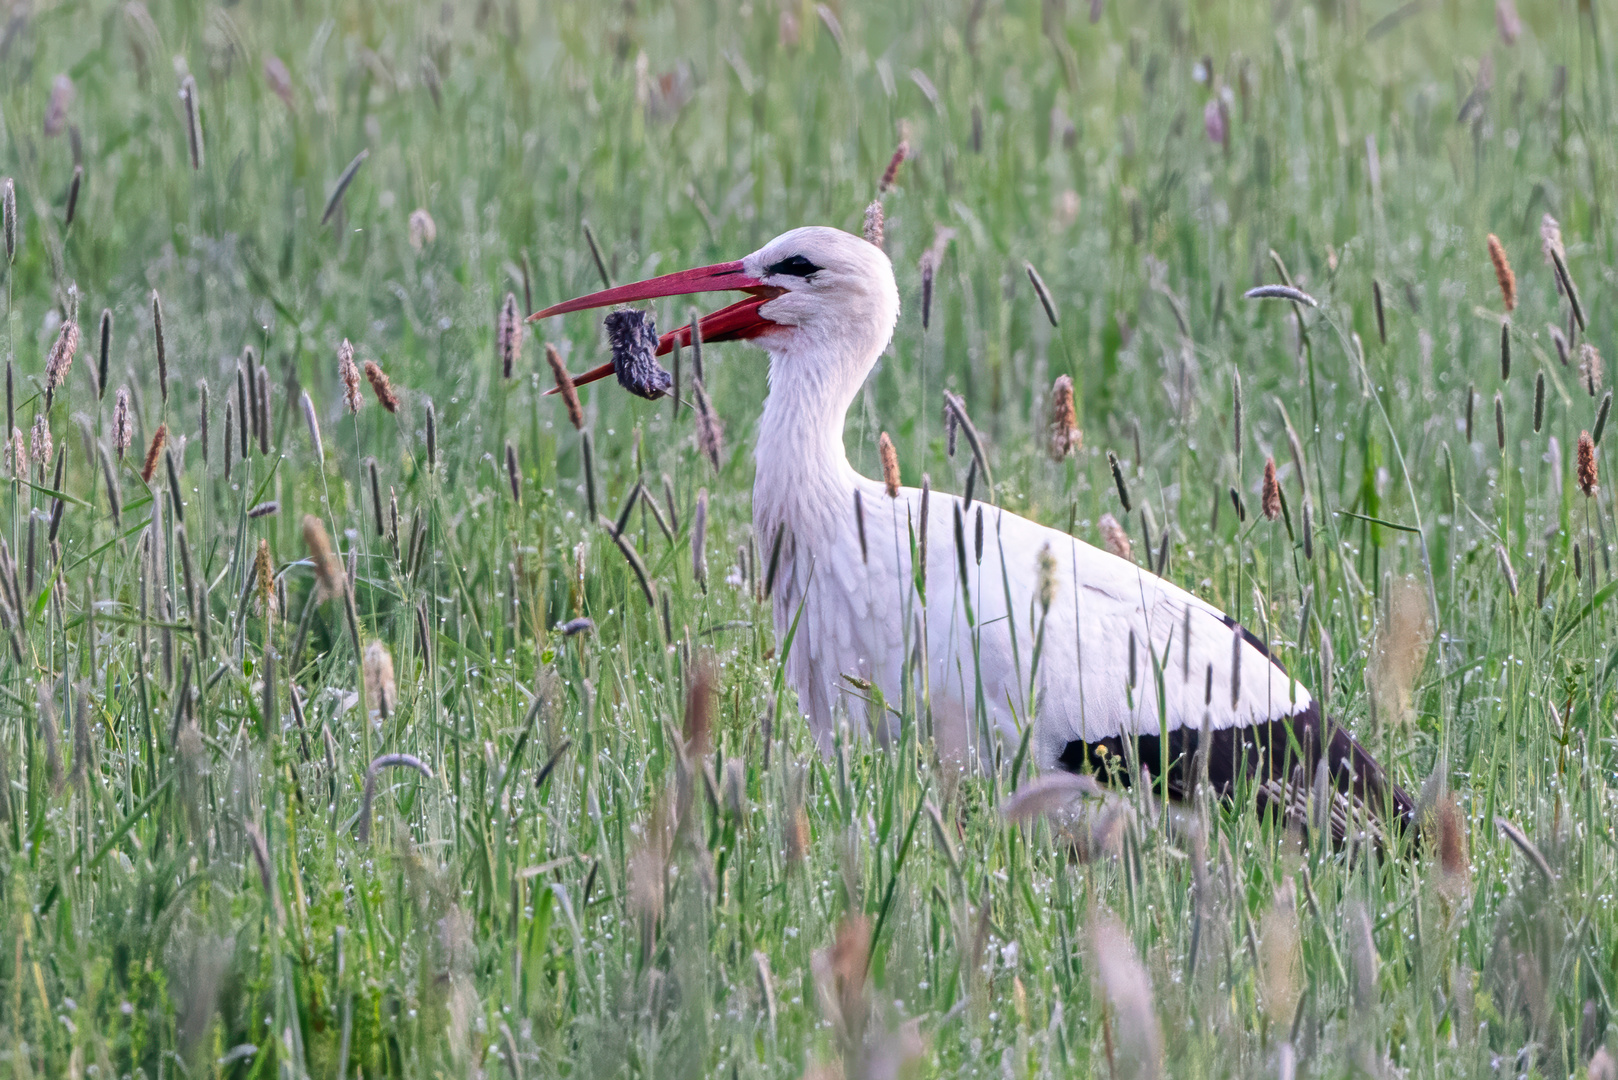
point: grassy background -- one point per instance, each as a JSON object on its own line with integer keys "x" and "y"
{"x": 188, "y": 887}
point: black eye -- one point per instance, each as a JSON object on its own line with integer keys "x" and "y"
{"x": 794, "y": 266}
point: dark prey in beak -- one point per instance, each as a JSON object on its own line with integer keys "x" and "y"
{"x": 633, "y": 336}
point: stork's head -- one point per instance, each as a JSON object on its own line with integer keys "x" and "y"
{"x": 816, "y": 295}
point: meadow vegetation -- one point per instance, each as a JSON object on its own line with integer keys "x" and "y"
{"x": 341, "y": 736}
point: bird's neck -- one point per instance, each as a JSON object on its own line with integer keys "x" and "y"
{"x": 803, "y": 475}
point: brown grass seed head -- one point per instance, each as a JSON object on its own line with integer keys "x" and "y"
{"x": 890, "y": 465}
{"x": 1065, "y": 436}
{"x": 382, "y": 387}
{"x": 1502, "y": 272}
{"x": 564, "y": 386}
{"x": 328, "y": 570}
{"x": 60, "y": 359}
{"x": 160, "y": 437}
{"x": 1588, "y": 471}
{"x": 508, "y": 335}
{"x": 1116, "y": 539}
{"x": 874, "y": 223}
{"x": 349, "y": 373}
{"x": 1271, "y": 501}
{"x": 121, "y": 433}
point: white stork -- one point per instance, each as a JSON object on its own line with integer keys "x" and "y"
{"x": 1125, "y": 654}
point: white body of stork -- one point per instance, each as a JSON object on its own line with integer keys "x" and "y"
{"x": 1125, "y": 657}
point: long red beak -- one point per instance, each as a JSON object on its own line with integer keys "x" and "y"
{"x": 735, "y": 322}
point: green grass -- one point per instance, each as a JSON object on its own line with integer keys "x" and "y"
{"x": 645, "y": 912}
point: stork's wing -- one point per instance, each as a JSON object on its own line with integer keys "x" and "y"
{"x": 1122, "y": 652}
{"x": 1131, "y": 664}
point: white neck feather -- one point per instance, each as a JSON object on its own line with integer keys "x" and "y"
{"x": 804, "y": 478}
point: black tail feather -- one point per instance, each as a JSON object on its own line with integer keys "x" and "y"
{"x": 1281, "y": 758}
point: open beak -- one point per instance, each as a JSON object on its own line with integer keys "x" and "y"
{"x": 735, "y": 322}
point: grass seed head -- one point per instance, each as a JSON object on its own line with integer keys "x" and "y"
{"x": 1362, "y": 956}
{"x": 346, "y": 178}
{"x": 154, "y": 449}
{"x": 1118, "y": 479}
{"x": 381, "y": 386}
{"x": 1047, "y": 577}
{"x": 1044, "y": 294}
{"x": 114, "y": 497}
{"x": 840, "y": 982}
{"x": 508, "y": 332}
{"x": 40, "y": 446}
{"x": 513, "y": 473}
{"x": 328, "y": 570}
{"x": 1500, "y": 421}
{"x": 162, "y": 346}
{"x": 890, "y": 464}
{"x": 1271, "y": 498}
{"x": 1399, "y": 648}
{"x": 1507, "y": 22}
{"x": 423, "y": 229}
{"x": 230, "y": 434}
{"x": 349, "y": 373}
{"x": 891, "y": 173}
{"x": 565, "y": 387}
{"x": 1602, "y": 1066}
{"x": 432, "y": 438}
{"x": 263, "y": 399}
{"x": 57, "y": 105}
{"x": 1550, "y": 243}
{"x": 8, "y": 216}
{"x": 929, "y": 269}
{"x": 380, "y": 689}
{"x": 60, "y": 359}
{"x": 1115, "y": 537}
{"x": 699, "y": 539}
{"x": 1128, "y": 989}
{"x": 264, "y": 575}
{"x": 1506, "y": 569}
{"x": 710, "y": 433}
{"x": 203, "y": 418}
{"x": 278, "y": 79}
{"x": 1280, "y": 955}
{"x": 733, "y": 785}
{"x": 1590, "y": 368}
{"x": 797, "y": 838}
{"x": 17, "y": 454}
{"x": 312, "y": 421}
{"x": 699, "y": 695}
{"x": 1588, "y": 471}
{"x": 1601, "y": 417}
{"x": 1063, "y": 426}
{"x": 1454, "y": 866}
{"x": 1559, "y": 340}
{"x": 193, "y": 121}
{"x": 875, "y": 223}
{"x": 1502, "y": 270}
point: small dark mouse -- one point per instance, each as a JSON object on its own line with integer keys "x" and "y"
{"x": 633, "y": 336}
